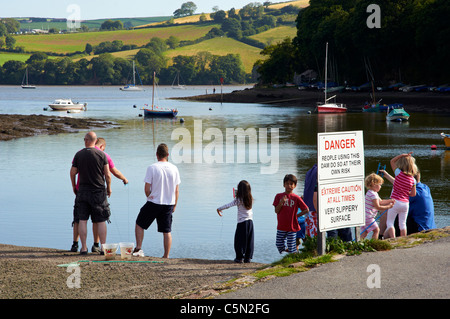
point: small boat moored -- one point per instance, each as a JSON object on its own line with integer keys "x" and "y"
{"x": 132, "y": 87}
{"x": 327, "y": 107}
{"x": 159, "y": 112}
{"x": 155, "y": 111}
{"x": 67, "y": 104}
{"x": 397, "y": 115}
{"x": 25, "y": 84}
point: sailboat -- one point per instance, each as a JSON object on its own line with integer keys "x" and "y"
{"x": 156, "y": 111}
{"x": 178, "y": 86}
{"x": 25, "y": 79}
{"x": 329, "y": 107}
{"x": 132, "y": 87}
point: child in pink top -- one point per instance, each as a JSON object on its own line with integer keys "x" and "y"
{"x": 404, "y": 167}
{"x": 374, "y": 204}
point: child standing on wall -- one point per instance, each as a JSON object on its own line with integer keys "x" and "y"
{"x": 404, "y": 167}
{"x": 374, "y": 204}
{"x": 244, "y": 235}
{"x": 286, "y": 206}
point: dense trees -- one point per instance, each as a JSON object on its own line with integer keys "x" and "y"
{"x": 110, "y": 25}
{"x": 410, "y": 46}
{"x": 187, "y": 9}
{"x": 203, "y": 68}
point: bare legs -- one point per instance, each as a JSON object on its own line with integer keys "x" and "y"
{"x": 167, "y": 238}
{"x": 82, "y": 231}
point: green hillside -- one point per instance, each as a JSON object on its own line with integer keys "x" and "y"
{"x": 221, "y": 46}
{"x": 237, "y": 38}
{"x": 72, "y": 42}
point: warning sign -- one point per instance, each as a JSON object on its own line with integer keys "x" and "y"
{"x": 340, "y": 175}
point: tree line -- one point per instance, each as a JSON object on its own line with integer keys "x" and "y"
{"x": 411, "y": 44}
{"x": 105, "y": 69}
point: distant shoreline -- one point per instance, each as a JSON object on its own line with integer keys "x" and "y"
{"x": 414, "y": 102}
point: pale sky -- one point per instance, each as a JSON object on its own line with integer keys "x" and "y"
{"x": 99, "y": 9}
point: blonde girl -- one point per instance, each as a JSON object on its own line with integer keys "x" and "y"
{"x": 404, "y": 167}
{"x": 374, "y": 204}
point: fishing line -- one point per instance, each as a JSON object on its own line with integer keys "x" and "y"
{"x": 373, "y": 222}
{"x": 128, "y": 216}
{"x": 221, "y": 228}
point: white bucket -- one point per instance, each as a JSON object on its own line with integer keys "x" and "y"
{"x": 110, "y": 251}
{"x": 126, "y": 250}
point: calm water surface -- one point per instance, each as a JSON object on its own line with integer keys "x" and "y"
{"x": 36, "y": 198}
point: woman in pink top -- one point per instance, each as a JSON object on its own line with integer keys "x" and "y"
{"x": 404, "y": 167}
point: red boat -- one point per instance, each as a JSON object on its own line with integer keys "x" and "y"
{"x": 329, "y": 107}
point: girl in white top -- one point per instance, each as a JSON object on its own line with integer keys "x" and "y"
{"x": 374, "y": 204}
{"x": 244, "y": 236}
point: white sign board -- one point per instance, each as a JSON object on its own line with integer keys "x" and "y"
{"x": 340, "y": 177}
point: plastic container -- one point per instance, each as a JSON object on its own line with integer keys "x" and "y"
{"x": 110, "y": 251}
{"x": 126, "y": 250}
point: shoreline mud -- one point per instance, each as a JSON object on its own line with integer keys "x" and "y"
{"x": 14, "y": 126}
{"x": 45, "y": 273}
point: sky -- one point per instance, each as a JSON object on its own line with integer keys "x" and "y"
{"x": 99, "y": 9}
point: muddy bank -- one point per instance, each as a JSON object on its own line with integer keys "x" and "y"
{"x": 414, "y": 102}
{"x": 16, "y": 126}
{"x": 42, "y": 273}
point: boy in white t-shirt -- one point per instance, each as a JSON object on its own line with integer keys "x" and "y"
{"x": 162, "y": 181}
{"x": 374, "y": 204}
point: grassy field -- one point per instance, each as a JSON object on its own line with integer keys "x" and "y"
{"x": 221, "y": 46}
{"x": 65, "y": 43}
{"x": 218, "y": 46}
{"x": 275, "y": 35}
{"x": 6, "y": 56}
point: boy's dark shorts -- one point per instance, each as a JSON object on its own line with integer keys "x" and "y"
{"x": 91, "y": 203}
{"x": 151, "y": 211}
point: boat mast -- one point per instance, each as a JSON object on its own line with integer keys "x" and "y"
{"x": 153, "y": 91}
{"x": 134, "y": 77}
{"x": 326, "y": 63}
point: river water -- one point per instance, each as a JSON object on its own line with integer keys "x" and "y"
{"x": 36, "y": 198}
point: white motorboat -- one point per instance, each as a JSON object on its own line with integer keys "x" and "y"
{"x": 67, "y": 104}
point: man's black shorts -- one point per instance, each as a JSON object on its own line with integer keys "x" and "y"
{"x": 91, "y": 203}
{"x": 151, "y": 211}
